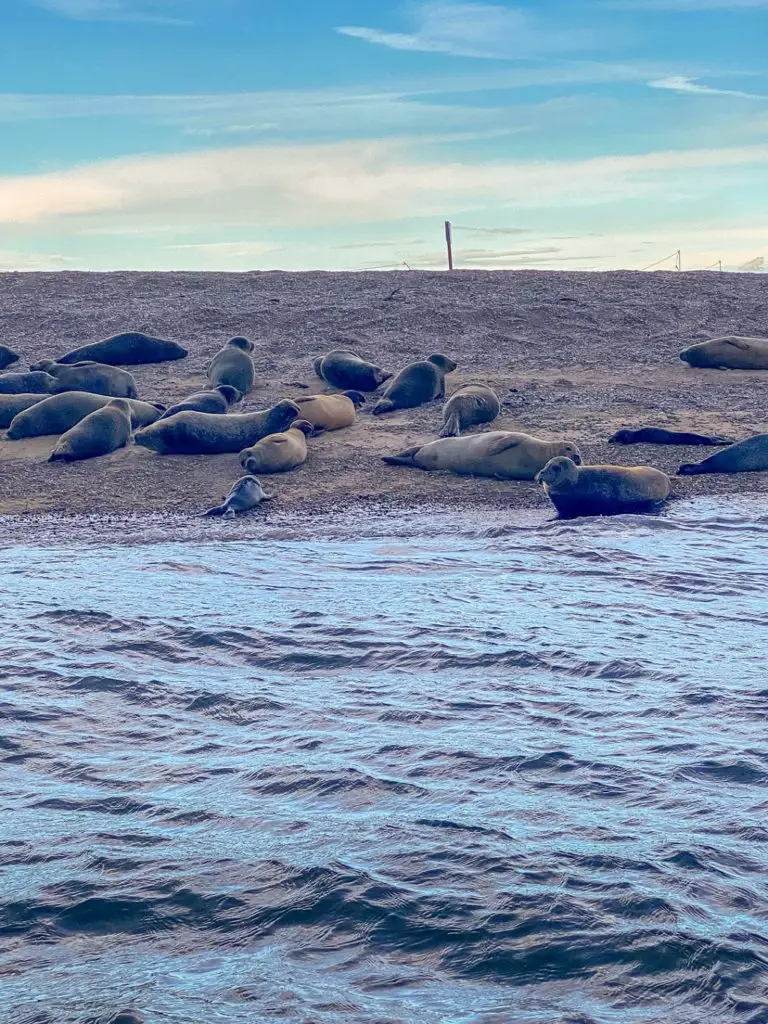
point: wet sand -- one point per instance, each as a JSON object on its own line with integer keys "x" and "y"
{"x": 572, "y": 356}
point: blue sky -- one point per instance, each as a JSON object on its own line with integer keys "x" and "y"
{"x": 238, "y": 134}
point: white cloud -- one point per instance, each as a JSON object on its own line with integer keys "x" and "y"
{"x": 228, "y": 250}
{"x": 163, "y": 11}
{"x": 15, "y": 260}
{"x": 475, "y": 30}
{"x": 679, "y": 83}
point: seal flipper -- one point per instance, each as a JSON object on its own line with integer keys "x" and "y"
{"x": 690, "y": 469}
{"x": 383, "y": 405}
{"x": 452, "y": 426}
{"x": 219, "y": 510}
{"x": 406, "y": 458}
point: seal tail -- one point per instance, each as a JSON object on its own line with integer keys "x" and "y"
{"x": 219, "y": 510}
{"x": 383, "y": 405}
{"x": 405, "y": 458}
{"x": 452, "y": 426}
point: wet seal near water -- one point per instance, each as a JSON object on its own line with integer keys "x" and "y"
{"x": 497, "y": 453}
{"x": 57, "y": 413}
{"x": 602, "y": 490}
{"x": 418, "y": 383}
{"x": 732, "y": 352}
{"x": 204, "y": 433}
{"x": 342, "y": 368}
{"x": 278, "y": 453}
{"x": 233, "y": 365}
{"x": 748, "y": 456}
{"x": 468, "y": 406}
{"x": 659, "y": 435}
{"x": 98, "y": 433}
{"x": 246, "y": 494}
{"x": 218, "y": 400}
{"x": 131, "y": 348}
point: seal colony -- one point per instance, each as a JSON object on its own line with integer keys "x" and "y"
{"x": 475, "y": 418}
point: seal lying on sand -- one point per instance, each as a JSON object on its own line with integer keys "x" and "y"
{"x": 732, "y": 352}
{"x": 100, "y": 378}
{"x": 497, "y": 453}
{"x": 416, "y": 384}
{"x": 205, "y": 433}
{"x": 233, "y": 365}
{"x": 342, "y": 368}
{"x": 57, "y": 413}
{"x": 602, "y": 490}
{"x": 749, "y": 456}
{"x": 658, "y": 435}
{"x": 331, "y": 412}
{"x": 98, "y": 433}
{"x": 128, "y": 349}
{"x": 36, "y": 382}
{"x": 217, "y": 400}
{"x": 12, "y": 405}
{"x": 7, "y": 357}
{"x": 278, "y": 453}
{"x": 245, "y": 494}
{"x": 474, "y": 403}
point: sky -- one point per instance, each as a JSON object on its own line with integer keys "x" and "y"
{"x": 340, "y": 134}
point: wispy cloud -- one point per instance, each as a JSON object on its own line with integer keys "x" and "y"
{"x": 230, "y": 250}
{"x": 687, "y": 5}
{"x": 476, "y": 30}
{"x": 158, "y": 11}
{"x": 679, "y": 83}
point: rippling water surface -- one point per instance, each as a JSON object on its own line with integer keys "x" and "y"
{"x": 439, "y": 774}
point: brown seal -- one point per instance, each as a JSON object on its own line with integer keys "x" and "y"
{"x": 279, "y": 452}
{"x": 496, "y": 453}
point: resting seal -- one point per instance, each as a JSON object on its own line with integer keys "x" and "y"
{"x": 474, "y": 403}
{"x": 128, "y": 349}
{"x": 57, "y": 413}
{"x": 418, "y": 383}
{"x": 98, "y": 433}
{"x": 331, "y": 412}
{"x": 205, "y": 433}
{"x": 344, "y": 369}
{"x": 12, "y": 405}
{"x": 601, "y": 490}
{"x": 729, "y": 353}
{"x": 497, "y": 453}
{"x": 658, "y": 435}
{"x": 217, "y": 400}
{"x": 245, "y": 494}
{"x": 749, "y": 456}
{"x": 99, "y": 378}
{"x": 7, "y": 357}
{"x": 26, "y": 383}
{"x": 233, "y": 365}
{"x": 278, "y": 453}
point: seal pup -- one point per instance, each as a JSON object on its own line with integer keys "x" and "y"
{"x": 12, "y": 405}
{"x": 471, "y": 404}
{"x": 57, "y": 413}
{"x": 217, "y": 400}
{"x": 342, "y": 368}
{"x": 7, "y": 357}
{"x": 497, "y": 453}
{"x": 205, "y": 433}
{"x": 244, "y": 495}
{"x": 233, "y": 365}
{"x": 131, "y": 348}
{"x": 602, "y": 490}
{"x": 732, "y": 352}
{"x": 278, "y": 453}
{"x": 331, "y": 412}
{"x": 98, "y": 433}
{"x": 416, "y": 384}
{"x": 748, "y": 456}
{"x": 36, "y": 382}
{"x": 100, "y": 378}
{"x": 659, "y": 435}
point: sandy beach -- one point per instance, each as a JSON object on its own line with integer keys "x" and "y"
{"x": 572, "y": 356}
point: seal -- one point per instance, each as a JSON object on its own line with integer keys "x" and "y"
{"x": 131, "y": 348}
{"x": 416, "y": 384}
{"x": 602, "y": 490}
{"x": 233, "y": 365}
{"x": 732, "y": 352}
{"x": 749, "y": 456}
{"x": 218, "y": 400}
{"x": 205, "y": 433}
{"x": 7, "y": 357}
{"x": 471, "y": 404}
{"x": 244, "y": 495}
{"x": 278, "y": 453}
{"x": 100, "y": 378}
{"x": 12, "y": 405}
{"x": 35, "y": 383}
{"x": 98, "y": 433}
{"x": 331, "y": 412}
{"x": 345, "y": 369}
{"x": 56, "y": 414}
{"x": 497, "y": 453}
{"x": 659, "y": 435}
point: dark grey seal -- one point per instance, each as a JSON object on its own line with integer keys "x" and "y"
{"x": 128, "y": 349}
{"x": 205, "y": 433}
{"x": 659, "y": 435}
{"x": 233, "y": 365}
{"x": 12, "y": 405}
{"x": 245, "y": 494}
{"x": 100, "y": 378}
{"x": 216, "y": 401}
{"x": 749, "y": 456}
{"x": 418, "y": 383}
{"x": 35, "y": 382}
{"x": 342, "y": 368}
{"x": 98, "y": 433}
{"x": 7, "y": 357}
{"x": 472, "y": 404}
{"x": 56, "y": 414}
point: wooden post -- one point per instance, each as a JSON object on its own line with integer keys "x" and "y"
{"x": 678, "y": 260}
{"x": 449, "y": 243}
